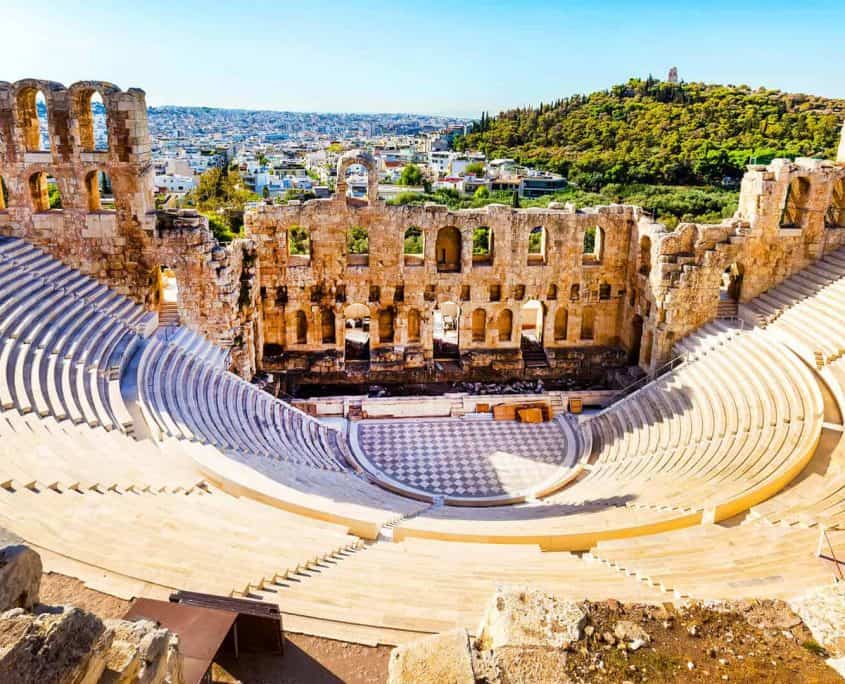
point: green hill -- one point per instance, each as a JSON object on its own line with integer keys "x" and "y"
{"x": 652, "y": 132}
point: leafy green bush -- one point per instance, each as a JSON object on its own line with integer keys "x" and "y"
{"x": 299, "y": 243}
{"x": 358, "y": 240}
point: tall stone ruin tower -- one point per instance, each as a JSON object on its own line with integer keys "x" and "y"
{"x": 673, "y": 75}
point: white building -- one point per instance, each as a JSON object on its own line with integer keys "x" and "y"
{"x": 173, "y": 183}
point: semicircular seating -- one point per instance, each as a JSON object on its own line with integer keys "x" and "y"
{"x": 244, "y": 495}
{"x": 65, "y": 339}
{"x": 707, "y": 441}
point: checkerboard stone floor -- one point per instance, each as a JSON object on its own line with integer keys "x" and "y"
{"x": 464, "y": 458}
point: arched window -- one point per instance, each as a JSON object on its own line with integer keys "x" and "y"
{"x": 645, "y": 255}
{"x": 90, "y": 113}
{"x": 575, "y": 292}
{"x": 43, "y": 197}
{"x": 551, "y": 294}
{"x": 33, "y": 119}
{"x": 413, "y": 325}
{"x": 385, "y": 325}
{"x": 561, "y": 322}
{"x": 357, "y": 246}
{"x": 328, "y": 325}
{"x": 299, "y": 243}
{"x": 604, "y": 291}
{"x": 505, "y": 325}
{"x": 588, "y": 317}
{"x": 99, "y": 191}
{"x": 4, "y": 195}
{"x": 479, "y": 325}
{"x": 835, "y": 216}
{"x": 482, "y": 246}
{"x": 414, "y": 247}
{"x": 537, "y": 246}
{"x": 301, "y": 323}
{"x": 448, "y": 250}
{"x": 795, "y": 204}
{"x": 593, "y": 245}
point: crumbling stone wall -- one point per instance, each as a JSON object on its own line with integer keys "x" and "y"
{"x": 123, "y": 247}
{"x": 683, "y": 289}
{"x": 395, "y": 290}
{"x": 644, "y": 289}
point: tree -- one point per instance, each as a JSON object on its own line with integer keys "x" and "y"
{"x": 411, "y": 175}
{"x": 475, "y": 168}
{"x": 265, "y": 192}
{"x": 358, "y": 240}
{"x": 515, "y": 199}
{"x": 483, "y": 192}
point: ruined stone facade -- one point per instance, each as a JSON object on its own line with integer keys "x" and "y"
{"x": 126, "y": 246}
{"x": 543, "y": 292}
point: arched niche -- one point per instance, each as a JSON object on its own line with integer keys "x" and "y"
{"x": 504, "y": 324}
{"x": 479, "y": 325}
{"x": 414, "y": 326}
{"x": 327, "y": 325}
{"x": 300, "y": 327}
{"x": 386, "y": 329}
{"x": 561, "y": 324}
{"x": 448, "y": 250}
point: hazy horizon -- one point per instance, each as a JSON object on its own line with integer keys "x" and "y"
{"x": 440, "y": 59}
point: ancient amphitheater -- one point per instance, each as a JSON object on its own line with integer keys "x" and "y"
{"x": 136, "y": 456}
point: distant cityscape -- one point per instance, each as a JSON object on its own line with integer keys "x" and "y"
{"x": 290, "y": 155}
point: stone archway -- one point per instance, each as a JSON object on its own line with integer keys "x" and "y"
{"x": 447, "y": 331}
{"x": 361, "y": 158}
{"x": 356, "y": 333}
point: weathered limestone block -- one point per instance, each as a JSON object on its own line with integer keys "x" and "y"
{"x": 439, "y": 659}
{"x": 20, "y": 577}
{"x": 55, "y": 647}
{"x": 142, "y": 653}
{"x": 823, "y": 611}
{"x": 523, "y": 617}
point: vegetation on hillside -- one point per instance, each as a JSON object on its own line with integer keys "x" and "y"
{"x": 647, "y": 131}
{"x": 221, "y": 196}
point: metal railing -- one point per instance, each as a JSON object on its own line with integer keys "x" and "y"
{"x": 641, "y": 382}
{"x": 823, "y": 538}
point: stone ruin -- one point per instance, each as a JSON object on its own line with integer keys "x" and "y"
{"x": 544, "y": 292}
{"x": 57, "y": 644}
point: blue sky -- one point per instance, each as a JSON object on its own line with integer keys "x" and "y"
{"x": 442, "y": 57}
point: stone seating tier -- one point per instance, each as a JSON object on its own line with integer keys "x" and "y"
{"x": 64, "y": 339}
